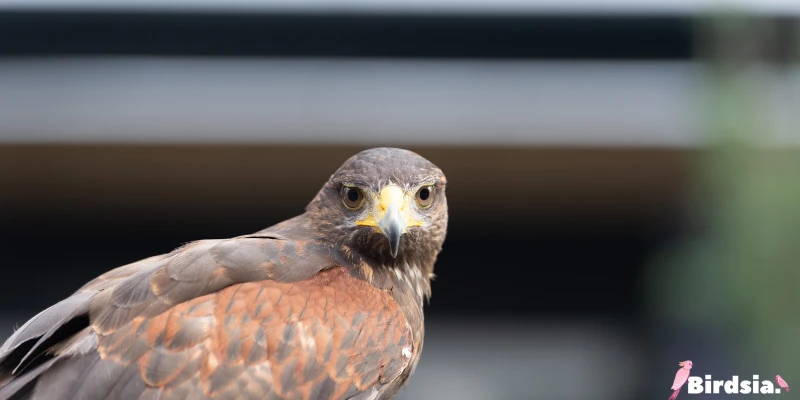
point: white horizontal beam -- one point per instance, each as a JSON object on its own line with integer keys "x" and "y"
{"x": 402, "y": 102}
{"x": 134, "y": 100}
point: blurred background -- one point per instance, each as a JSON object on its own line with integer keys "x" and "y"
{"x": 623, "y": 175}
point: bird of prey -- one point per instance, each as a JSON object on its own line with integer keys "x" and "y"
{"x": 325, "y": 305}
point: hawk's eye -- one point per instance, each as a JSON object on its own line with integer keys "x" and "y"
{"x": 425, "y": 196}
{"x": 352, "y": 197}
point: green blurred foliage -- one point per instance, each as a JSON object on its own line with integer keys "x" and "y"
{"x": 740, "y": 273}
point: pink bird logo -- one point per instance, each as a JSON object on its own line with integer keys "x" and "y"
{"x": 680, "y": 378}
{"x": 782, "y": 383}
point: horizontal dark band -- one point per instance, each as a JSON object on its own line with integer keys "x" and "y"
{"x": 78, "y": 33}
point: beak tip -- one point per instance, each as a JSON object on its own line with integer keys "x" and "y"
{"x": 394, "y": 246}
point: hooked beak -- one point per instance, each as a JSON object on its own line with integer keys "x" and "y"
{"x": 391, "y": 217}
{"x": 392, "y": 225}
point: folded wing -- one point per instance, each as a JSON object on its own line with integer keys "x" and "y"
{"x": 236, "y": 318}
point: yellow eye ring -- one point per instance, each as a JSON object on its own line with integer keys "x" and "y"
{"x": 425, "y": 196}
{"x": 352, "y": 197}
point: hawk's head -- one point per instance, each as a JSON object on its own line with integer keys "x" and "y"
{"x": 386, "y": 204}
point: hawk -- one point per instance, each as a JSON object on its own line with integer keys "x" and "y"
{"x": 325, "y": 305}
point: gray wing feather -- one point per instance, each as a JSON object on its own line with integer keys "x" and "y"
{"x": 45, "y": 323}
{"x": 76, "y": 306}
{"x": 88, "y": 377}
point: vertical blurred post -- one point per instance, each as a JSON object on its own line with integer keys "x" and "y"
{"x": 734, "y": 285}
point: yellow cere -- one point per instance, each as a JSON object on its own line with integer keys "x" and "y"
{"x": 392, "y": 194}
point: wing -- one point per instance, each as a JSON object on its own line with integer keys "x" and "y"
{"x": 680, "y": 378}
{"x": 330, "y": 337}
{"x": 158, "y": 327}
